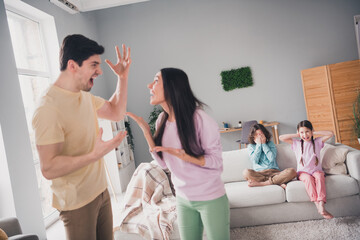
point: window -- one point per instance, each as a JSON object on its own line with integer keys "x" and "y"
{"x": 31, "y": 37}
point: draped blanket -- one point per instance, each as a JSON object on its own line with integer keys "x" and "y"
{"x": 149, "y": 207}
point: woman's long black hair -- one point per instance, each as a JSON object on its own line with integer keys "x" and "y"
{"x": 180, "y": 98}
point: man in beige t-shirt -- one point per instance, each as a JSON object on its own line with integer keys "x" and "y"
{"x": 68, "y": 137}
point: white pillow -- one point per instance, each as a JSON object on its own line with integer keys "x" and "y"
{"x": 333, "y": 159}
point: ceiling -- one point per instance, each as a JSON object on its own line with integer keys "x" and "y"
{"x": 75, "y": 6}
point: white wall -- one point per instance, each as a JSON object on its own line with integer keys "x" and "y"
{"x": 276, "y": 38}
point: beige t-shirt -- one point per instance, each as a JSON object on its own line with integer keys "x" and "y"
{"x": 70, "y": 118}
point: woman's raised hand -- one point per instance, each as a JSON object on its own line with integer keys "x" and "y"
{"x": 145, "y": 128}
{"x": 141, "y": 122}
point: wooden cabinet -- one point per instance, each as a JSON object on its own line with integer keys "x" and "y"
{"x": 330, "y": 92}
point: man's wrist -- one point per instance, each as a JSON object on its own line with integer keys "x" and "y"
{"x": 122, "y": 78}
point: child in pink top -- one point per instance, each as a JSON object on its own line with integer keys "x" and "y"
{"x": 307, "y": 152}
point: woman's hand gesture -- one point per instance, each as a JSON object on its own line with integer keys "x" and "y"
{"x": 141, "y": 122}
{"x": 145, "y": 128}
{"x": 180, "y": 153}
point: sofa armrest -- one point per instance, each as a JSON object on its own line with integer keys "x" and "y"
{"x": 353, "y": 164}
{"x": 24, "y": 237}
{"x": 11, "y": 226}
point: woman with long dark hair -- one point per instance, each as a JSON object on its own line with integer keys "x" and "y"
{"x": 187, "y": 142}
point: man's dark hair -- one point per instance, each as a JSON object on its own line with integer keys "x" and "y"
{"x": 78, "y": 48}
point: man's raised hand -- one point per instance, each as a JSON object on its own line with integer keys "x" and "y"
{"x": 121, "y": 68}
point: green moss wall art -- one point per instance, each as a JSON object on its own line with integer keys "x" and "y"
{"x": 236, "y": 78}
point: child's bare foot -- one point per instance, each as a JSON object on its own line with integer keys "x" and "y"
{"x": 283, "y": 186}
{"x": 321, "y": 209}
{"x": 252, "y": 183}
{"x": 327, "y": 215}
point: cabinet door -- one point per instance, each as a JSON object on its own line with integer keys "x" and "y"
{"x": 318, "y": 98}
{"x": 345, "y": 80}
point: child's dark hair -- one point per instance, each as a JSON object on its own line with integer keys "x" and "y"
{"x": 263, "y": 129}
{"x": 308, "y": 125}
{"x": 78, "y": 48}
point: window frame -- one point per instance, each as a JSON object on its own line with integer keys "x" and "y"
{"x": 50, "y": 45}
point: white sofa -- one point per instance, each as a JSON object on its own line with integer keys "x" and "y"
{"x": 251, "y": 206}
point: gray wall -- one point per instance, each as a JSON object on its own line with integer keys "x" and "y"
{"x": 276, "y": 38}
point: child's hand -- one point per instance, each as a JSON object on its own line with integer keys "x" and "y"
{"x": 263, "y": 139}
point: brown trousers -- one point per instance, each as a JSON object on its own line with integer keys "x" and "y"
{"x": 93, "y": 221}
{"x": 275, "y": 176}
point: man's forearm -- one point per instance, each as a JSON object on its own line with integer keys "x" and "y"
{"x": 62, "y": 165}
{"x": 118, "y": 100}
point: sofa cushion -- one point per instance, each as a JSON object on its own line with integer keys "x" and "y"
{"x": 234, "y": 163}
{"x": 241, "y": 195}
{"x": 285, "y": 156}
{"x": 333, "y": 159}
{"x": 336, "y": 186}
